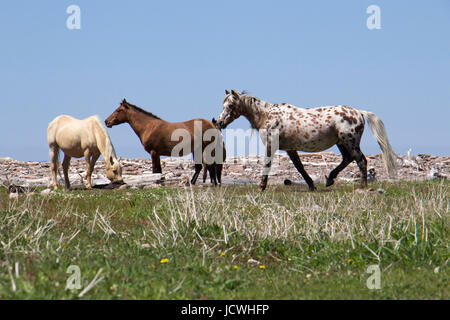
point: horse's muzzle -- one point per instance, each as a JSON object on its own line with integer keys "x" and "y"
{"x": 217, "y": 124}
{"x": 118, "y": 182}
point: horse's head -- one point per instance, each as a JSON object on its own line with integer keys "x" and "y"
{"x": 232, "y": 109}
{"x": 113, "y": 169}
{"x": 120, "y": 115}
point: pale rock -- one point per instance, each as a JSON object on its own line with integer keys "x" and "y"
{"x": 123, "y": 187}
{"x": 253, "y": 261}
{"x": 14, "y": 196}
{"x": 46, "y": 192}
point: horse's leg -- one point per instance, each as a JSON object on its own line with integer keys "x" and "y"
{"x": 205, "y": 173}
{"x": 65, "y": 165}
{"x": 219, "y": 173}
{"x": 156, "y": 162}
{"x": 54, "y": 164}
{"x": 293, "y": 155}
{"x": 198, "y": 169}
{"x": 90, "y": 163}
{"x": 346, "y": 159}
{"x": 87, "y": 159}
{"x": 361, "y": 161}
{"x": 94, "y": 159}
{"x": 266, "y": 169}
{"x": 212, "y": 173}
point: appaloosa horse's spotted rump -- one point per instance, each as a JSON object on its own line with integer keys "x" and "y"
{"x": 310, "y": 130}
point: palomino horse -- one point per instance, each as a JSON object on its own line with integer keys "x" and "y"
{"x": 310, "y": 130}
{"x": 78, "y": 138}
{"x": 160, "y": 138}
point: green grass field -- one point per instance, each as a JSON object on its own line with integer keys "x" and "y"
{"x": 227, "y": 243}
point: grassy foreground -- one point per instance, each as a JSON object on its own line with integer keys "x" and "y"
{"x": 227, "y": 243}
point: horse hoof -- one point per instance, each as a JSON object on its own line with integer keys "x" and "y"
{"x": 312, "y": 188}
{"x": 329, "y": 182}
{"x": 287, "y": 182}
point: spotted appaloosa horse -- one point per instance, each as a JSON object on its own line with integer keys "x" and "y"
{"x": 310, "y": 130}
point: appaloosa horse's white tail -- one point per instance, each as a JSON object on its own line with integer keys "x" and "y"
{"x": 379, "y": 132}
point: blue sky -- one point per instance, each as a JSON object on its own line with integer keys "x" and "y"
{"x": 176, "y": 58}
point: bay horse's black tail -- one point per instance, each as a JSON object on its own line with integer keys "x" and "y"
{"x": 215, "y": 173}
{"x": 215, "y": 170}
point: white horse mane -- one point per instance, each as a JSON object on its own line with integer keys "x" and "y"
{"x": 109, "y": 148}
{"x": 254, "y": 101}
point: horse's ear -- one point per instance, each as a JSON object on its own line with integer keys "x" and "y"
{"x": 235, "y": 93}
{"x": 227, "y": 92}
{"x": 213, "y": 121}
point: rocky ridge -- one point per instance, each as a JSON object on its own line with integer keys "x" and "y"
{"x": 137, "y": 173}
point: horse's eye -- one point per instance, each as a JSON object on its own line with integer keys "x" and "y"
{"x": 231, "y": 106}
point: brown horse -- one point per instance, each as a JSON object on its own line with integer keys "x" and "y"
{"x": 162, "y": 138}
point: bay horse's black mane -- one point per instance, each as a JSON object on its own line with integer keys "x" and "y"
{"x": 141, "y": 110}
